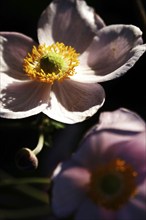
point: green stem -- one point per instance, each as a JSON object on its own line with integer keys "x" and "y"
{"x": 9, "y": 182}
{"x": 40, "y": 144}
{"x": 27, "y": 189}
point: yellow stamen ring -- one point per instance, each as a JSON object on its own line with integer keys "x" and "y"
{"x": 113, "y": 184}
{"x": 50, "y": 63}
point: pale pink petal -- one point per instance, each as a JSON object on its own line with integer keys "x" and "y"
{"x": 103, "y": 144}
{"x": 69, "y": 21}
{"x": 132, "y": 210}
{"x": 131, "y": 213}
{"x": 13, "y": 49}
{"x": 88, "y": 210}
{"x": 20, "y": 99}
{"x": 69, "y": 189}
{"x": 106, "y": 146}
{"x": 73, "y": 102}
{"x": 135, "y": 148}
{"x": 135, "y": 208}
{"x": 122, "y": 119}
{"x": 140, "y": 198}
{"x": 114, "y": 50}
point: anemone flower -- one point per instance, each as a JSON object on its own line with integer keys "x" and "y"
{"x": 106, "y": 178}
{"x": 59, "y": 75}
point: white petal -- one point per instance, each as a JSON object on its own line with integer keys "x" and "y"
{"x": 73, "y": 102}
{"x": 113, "y": 52}
{"x": 20, "y": 99}
{"x": 13, "y": 49}
{"x": 69, "y": 21}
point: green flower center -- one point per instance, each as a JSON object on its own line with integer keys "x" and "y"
{"x": 53, "y": 62}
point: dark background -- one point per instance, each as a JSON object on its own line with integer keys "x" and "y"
{"x": 128, "y": 91}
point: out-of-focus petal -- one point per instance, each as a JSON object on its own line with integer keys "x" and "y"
{"x": 134, "y": 146}
{"x": 13, "y": 49}
{"x": 136, "y": 207}
{"x": 104, "y": 143}
{"x": 69, "y": 21}
{"x": 73, "y": 102}
{"x": 114, "y": 50}
{"x": 139, "y": 199}
{"x": 121, "y": 119}
{"x": 69, "y": 189}
{"x": 89, "y": 210}
{"x": 20, "y": 99}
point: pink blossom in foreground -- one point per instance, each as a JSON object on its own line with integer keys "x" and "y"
{"x": 60, "y": 75}
{"x": 106, "y": 178}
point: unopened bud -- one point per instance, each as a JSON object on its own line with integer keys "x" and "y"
{"x": 26, "y": 159}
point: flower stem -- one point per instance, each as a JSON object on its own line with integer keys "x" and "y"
{"x": 16, "y": 181}
{"x": 27, "y": 189}
{"x": 40, "y": 144}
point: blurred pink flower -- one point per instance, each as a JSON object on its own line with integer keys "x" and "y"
{"x": 106, "y": 178}
{"x": 53, "y": 78}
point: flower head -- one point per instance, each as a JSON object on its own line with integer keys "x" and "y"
{"x": 106, "y": 177}
{"x": 59, "y": 75}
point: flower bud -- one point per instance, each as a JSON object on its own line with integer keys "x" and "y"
{"x": 26, "y": 159}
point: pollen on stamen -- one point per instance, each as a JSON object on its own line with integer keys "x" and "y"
{"x": 50, "y": 63}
